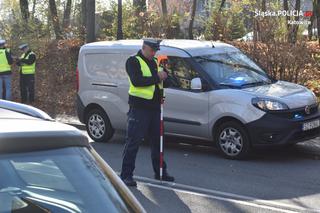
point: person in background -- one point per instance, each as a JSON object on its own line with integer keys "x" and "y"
{"x": 27, "y": 62}
{"x": 6, "y": 61}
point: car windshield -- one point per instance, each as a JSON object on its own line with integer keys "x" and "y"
{"x": 233, "y": 69}
{"x": 61, "y": 180}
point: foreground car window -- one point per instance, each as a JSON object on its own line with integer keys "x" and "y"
{"x": 62, "y": 180}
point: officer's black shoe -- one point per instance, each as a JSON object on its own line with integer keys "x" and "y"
{"x": 165, "y": 177}
{"x": 130, "y": 182}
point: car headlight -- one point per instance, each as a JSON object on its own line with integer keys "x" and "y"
{"x": 266, "y": 104}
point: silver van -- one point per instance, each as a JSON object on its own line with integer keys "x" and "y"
{"x": 218, "y": 94}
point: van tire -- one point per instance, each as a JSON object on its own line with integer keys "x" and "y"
{"x": 98, "y": 126}
{"x": 235, "y": 136}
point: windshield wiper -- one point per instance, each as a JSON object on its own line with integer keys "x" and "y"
{"x": 230, "y": 85}
{"x": 258, "y": 83}
{"x": 16, "y": 194}
{"x": 32, "y": 206}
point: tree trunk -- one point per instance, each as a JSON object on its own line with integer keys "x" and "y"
{"x": 312, "y": 18}
{"x": 286, "y": 8}
{"x": 90, "y": 20}
{"x": 264, "y": 5}
{"x": 119, "y": 23}
{"x": 83, "y": 20}
{"x": 55, "y": 19}
{"x": 24, "y": 7}
{"x": 34, "y": 8}
{"x": 193, "y": 14}
{"x": 295, "y": 28}
{"x": 222, "y": 5}
{"x": 318, "y": 20}
{"x": 164, "y": 8}
{"x": 66, "y": 15}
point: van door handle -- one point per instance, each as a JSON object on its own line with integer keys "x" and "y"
{"x": 105, "y": 84}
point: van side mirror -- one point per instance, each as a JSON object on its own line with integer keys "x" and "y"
{"x": 196, "y": 84}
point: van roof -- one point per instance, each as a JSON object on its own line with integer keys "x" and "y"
{"x": 192, "y": 47}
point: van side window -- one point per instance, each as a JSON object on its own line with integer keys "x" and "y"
{"x": 180, "y": 73}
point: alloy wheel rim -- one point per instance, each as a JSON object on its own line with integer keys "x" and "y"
{"x": 96, "y": 126}
{"x": 230, "y": 141}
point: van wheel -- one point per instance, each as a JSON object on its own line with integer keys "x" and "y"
{"x": 98, "y": 126}
{"x": 232, "y": 140}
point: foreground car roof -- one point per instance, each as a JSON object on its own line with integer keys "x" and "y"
{"x": 23, "y": 133}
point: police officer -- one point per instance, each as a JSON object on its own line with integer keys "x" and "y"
{"x": 145, "y": 95}
{"x": 5, "y": 70}
{"x": 27, "y": 62}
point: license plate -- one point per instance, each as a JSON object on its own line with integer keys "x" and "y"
{"x": 311, "y": 125}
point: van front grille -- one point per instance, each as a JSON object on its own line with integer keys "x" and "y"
{"x": 290, "y": 114}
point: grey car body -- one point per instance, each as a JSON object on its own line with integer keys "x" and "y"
{"x": 48, "y": 166}
{"x": 208, "y": 95}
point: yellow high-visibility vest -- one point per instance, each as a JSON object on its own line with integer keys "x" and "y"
{"x": 147, "y": 91}
{"x": 4, "y": 65}
{"x": 25, "y": 68}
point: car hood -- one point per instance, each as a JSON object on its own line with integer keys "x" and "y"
{"x": 294, "y": 95}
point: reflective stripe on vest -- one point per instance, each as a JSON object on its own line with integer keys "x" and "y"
{"x": 147, "y": 91}
{"x": 4, "y": 65}
{"x": 28, "y": 69}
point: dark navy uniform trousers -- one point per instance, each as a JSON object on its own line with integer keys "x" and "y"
{"x": 141, "y": 124}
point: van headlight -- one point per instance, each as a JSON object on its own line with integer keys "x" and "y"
{"x": 266, "y": 104}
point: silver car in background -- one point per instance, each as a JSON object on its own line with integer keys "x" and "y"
{"x": 46, "y": 166}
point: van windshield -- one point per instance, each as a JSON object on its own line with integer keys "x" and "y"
{"x": 233, "y": 69}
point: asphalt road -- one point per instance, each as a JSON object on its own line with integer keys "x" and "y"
{"x": 286, "y": 180}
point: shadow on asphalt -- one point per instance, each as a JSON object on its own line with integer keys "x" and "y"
{"x": 290, "y": 153}
{"x": 159, "y": 200}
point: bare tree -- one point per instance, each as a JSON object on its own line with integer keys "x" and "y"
{"x": 164, "y": 8}
{"x": 90, "y": 20}
{"x": 66, "y": 15}
{"x": 292, "y": 29}
{"x": 34, "y": 8}
{"x": 312, "y": 19}
{"x": 286, "y": 8}
{"x": 24, "y": 8}
{"x": 295, "y": 28}
{"x": 318, "y": 20}
{"x": 264, "y": 5}
{"x": 222, "y": 5}
{"x": 55, "y": 19}
{"x": 119, "y": 23}
{"x": 193, "y": 14}
{"x": 83, "y": 20}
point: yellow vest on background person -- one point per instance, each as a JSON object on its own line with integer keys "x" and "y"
{"x": 25, "y": 68}
{"x": 147, "y": 91}
{"x": 4, "y": 65}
